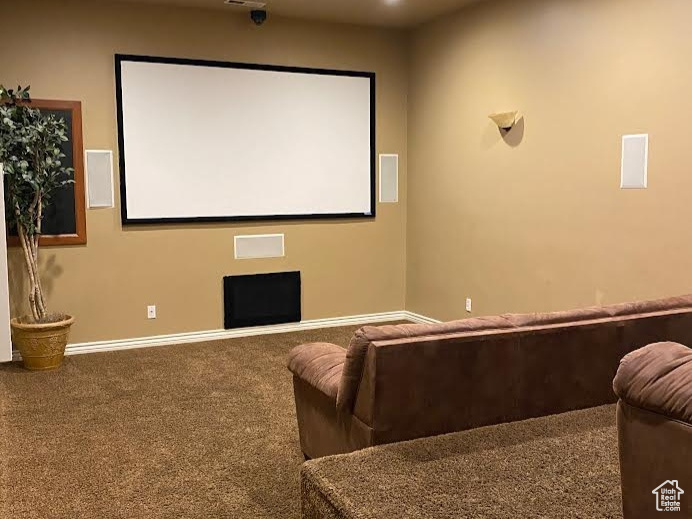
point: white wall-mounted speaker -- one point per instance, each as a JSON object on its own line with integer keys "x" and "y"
{"x": 99, "y": 178}
{"x": 635, "y": 162}
{"x": 259, "y": 246}
{"x": 389, "y": 178}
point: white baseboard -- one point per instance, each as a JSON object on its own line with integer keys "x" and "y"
{"x": 214, "y": 335}
{"x": 420, "y": 319}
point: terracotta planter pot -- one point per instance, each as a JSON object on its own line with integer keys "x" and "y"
{"x": 42, "y": 346}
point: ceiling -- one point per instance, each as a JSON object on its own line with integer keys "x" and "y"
{"x": 385, "y": 13}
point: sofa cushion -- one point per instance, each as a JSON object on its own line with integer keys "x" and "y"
{"x": 355, "y": 357}
{"x": 658, "y": 378}
{"x": 319, "y": 364}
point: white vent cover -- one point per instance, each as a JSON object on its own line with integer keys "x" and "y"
{"x": 635, "y": 159}
{"x": 247, "y": 3}
{"x": 389, "y": 178}
{"x": 259, "y": 246}
{"x": 99, "y": 168}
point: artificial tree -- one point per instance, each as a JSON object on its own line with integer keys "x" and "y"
{"x": 31, "y": 154}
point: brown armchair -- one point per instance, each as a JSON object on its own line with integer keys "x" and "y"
{"x": 654, "y": 417}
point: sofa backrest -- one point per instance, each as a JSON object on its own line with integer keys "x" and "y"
{"x": 417, "y": 380}
{"x": 364, "y": 337}
{"x": 601, "y": 312}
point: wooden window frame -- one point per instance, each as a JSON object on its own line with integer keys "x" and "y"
{"x": 80, "y": 237}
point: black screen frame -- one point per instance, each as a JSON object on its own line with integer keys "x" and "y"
{"x": 126, "y": 220}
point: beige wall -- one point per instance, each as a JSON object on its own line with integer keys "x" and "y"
{"x": 66, "y": 51}
{"x": 533, "y": 222}
{"x": 541, "y": 224}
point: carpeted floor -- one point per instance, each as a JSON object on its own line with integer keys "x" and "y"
{"x": 562, "y": 466}
{"x": 192, "y": 431}
{"x": 208, "y": 431}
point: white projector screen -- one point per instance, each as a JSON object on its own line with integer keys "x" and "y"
{"x": 217, "y": 141}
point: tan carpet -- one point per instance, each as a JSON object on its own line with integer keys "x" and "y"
{"x": 562, "y": 466}
{"x": 209, "y": 431}
{"x": 194, "y": 431}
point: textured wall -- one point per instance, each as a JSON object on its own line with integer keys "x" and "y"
{"x": 539, "y": 222}
{"x": 532, "y": 222}
{"x": 66, "y": 51}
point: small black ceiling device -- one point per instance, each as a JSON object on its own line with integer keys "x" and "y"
{"x": 259, "y": 16}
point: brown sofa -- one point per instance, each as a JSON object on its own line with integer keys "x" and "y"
{"x": 654, "y": 419}
{"x": 403, "y": 382}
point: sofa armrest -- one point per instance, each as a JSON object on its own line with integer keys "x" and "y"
{"x": 658, "y": 378}
{"x": 319, "y": 364}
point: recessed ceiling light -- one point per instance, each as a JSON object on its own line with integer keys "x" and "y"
{"x": 392, "y": 2}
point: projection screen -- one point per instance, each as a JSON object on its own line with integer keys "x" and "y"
{"x": 218, "y": 141}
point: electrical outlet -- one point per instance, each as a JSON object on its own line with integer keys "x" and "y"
{"x": 151, "y": 312}
{"x": 468, "y": 304}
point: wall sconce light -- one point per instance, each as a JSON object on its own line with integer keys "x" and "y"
{"x": 505, "y": 120}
